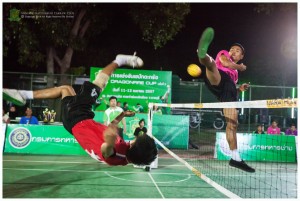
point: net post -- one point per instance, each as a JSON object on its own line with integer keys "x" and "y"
{"x": 154, "y": 164}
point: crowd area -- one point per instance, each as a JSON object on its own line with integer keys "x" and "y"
{"x": 24, "y": 115}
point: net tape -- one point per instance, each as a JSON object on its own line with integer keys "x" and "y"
{"x": 272, "y": 103}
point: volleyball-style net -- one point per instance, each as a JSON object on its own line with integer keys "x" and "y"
{"x": 195, "y": 135}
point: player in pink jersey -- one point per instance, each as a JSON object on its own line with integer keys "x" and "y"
{"x": 101, "y": 142}
{"x": 221, "y": 76}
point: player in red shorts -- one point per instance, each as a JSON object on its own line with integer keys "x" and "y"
{"x": 101, "y": 142}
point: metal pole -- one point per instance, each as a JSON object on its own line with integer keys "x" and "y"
{"x": 200, "y": 100}
{"x": 249, "y": 113}
{"x": 31, "y": 88}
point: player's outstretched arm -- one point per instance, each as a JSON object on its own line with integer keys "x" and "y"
{"x": 244, "y": 87}
{"x": 110, "y": 136}
{"x": 227, "y": 63}
{"x": 127, "y": 113}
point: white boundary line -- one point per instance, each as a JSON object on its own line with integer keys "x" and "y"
{"x": 220, "y": 188}
{"x": 172, "y": 165}
{"x": 66, "y": 170}
{"x": 156, "y": 186}
{"x": 63, "y": 162}
{"x": 161, "y": 182}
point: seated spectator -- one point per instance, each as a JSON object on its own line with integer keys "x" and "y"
{"x": 156, "y": 110}
{"x": 13, "y": 112}
{"x": 259, "y": 130}
{"x": 5, "y": 117}
{"x": 138, "y": 109}
{"x": 273, "y": 129}
{"x": 292, "y": 130}
{"x": 141, "y": 129}
{"x": 125, "y": 106}
{"x": 28, "y": 118}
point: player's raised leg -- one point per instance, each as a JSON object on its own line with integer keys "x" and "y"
{"x": 121, "y": 60}
{"x": 19, "y": 97}
{"x": 212, "y": 72}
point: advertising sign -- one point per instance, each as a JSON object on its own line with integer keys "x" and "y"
{"x": 135, "y": 86}
{"x": 40, "y": 139}
{"x": 257, "y": 147}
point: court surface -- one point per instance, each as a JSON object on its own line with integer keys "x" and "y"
{"x": 44, "y": 176}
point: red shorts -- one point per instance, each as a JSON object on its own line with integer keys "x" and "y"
{"x": 90, "y": 135}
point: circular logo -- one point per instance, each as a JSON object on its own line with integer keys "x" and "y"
{"x": 20, "y": 138}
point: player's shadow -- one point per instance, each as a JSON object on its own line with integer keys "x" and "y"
{"x": 47, "y": 182}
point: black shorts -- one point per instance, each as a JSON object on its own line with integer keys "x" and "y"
{"x": 79, "y": 107}
{"x": 226, "y": 91}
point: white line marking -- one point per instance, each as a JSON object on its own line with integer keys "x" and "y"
{"x": 166, "y": 165}
{"x": 161, "y": 182}
{"x": 36, "y": 169}
{"x": 156, "y": 186}
{"x": 75, "y": 162}
{"x": 252, "y": 176}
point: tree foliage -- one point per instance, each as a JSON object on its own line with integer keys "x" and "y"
{"x": 160, "y": 22}
{"x": 52, "y": 41}
{"x": 33, "y": 36}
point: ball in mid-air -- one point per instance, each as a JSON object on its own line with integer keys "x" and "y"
{"x": 194, "y": 70}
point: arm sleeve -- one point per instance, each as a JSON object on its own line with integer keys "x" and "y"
{"x": 34, "y": 120}
{"x": 22, "y": 121}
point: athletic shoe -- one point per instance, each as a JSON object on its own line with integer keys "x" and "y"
{"x": 204, "y": 42}
{"x": 14, "y": 96}
{"x": 131, "y": 60}
{"x": 241, "y": 165}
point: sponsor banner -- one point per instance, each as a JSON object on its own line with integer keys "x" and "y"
{"x": 135, "y": 86}
{"x": 282, "y": 103}
{"x": 40, "y": 139}
{"x": 171, "y": 130}
{"x": 256, "y": 147}
{"x": 54, "y": 139}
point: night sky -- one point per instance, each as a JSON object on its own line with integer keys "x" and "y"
{"x": 262, "y": 36}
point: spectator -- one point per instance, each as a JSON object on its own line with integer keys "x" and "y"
{"x": 138, "y": 109}
{"x": 273, "y": 129}
{"x": 119, "y": 104}
{"x": 125, "y": 106}
{"x": 5, "y": 117}
{"x": 29, "y": 118}
{"x": 141, "y": 129}
{"x": 164, "y": 99}
{"x": 292, "y": 130}
{"x": 156, "y": 110}
{"x": 259, "y": 129}
{"x": 13, "y": 112}
{"x": 111, "y": 113}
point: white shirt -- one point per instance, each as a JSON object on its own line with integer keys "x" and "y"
{"x": 111, "y": 113}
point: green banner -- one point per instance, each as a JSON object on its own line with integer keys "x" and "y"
{"x": 40, "y": 139}
{"x": 173, "y": 133}
{"x": 257, "y": 147}
{"x": 54, "y": 139}
{"x": 135, "y": 86}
